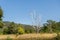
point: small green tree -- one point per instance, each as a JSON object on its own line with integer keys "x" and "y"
{"x": 1, "y": 15}
{"x": 1, "y": 22}
{"x": 20, "y": 30}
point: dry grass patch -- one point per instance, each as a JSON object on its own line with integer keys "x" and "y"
{"x": 45, "y": 36}
{"x": 26, "y": 36}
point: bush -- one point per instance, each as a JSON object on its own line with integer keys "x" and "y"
{"x": 5, "y": 31}
{"x": 1, "y": 31}
{"x": 20, "y": 30}
{"x": 29, "y": 31}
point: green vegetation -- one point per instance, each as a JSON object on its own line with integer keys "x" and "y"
{"x": 13, "y": 28}
{"x": 20, "y": 30}
{"x": 50, "y": 26}
{"x": 1, "y": 13}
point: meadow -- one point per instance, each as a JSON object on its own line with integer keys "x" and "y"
{"x": 41, "y": 36}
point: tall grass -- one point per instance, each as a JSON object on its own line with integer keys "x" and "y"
{"x": 32, "y": 37}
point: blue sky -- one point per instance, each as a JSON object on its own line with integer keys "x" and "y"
{"x": 19, "y": 10}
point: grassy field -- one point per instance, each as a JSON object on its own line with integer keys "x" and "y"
{"x": 44, "y": 36}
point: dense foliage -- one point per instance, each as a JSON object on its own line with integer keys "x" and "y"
{"x": 51, "y": 26}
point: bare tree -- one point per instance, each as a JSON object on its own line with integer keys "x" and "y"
{"x": 36, "y": 21}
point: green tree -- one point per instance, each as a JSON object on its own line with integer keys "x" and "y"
{"x": 1, "y": 22}
{"x": 20, "y": 30}
{"x": 57, "y": 27}
{"x": 51, "y": 25}
{"x": 6, "y": 30}
{"x": 1, "y": 13}
{"x": 12, "y": 28}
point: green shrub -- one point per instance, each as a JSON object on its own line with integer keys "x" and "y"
{"x": 1, "y": 31}
{"x": 20, "y": 30}
{"x": 5, "y": 31}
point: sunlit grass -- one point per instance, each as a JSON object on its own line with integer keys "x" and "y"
{"x": 43, "y": 36}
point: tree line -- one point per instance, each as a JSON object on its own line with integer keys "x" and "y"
{"x": 15, "y": 28}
